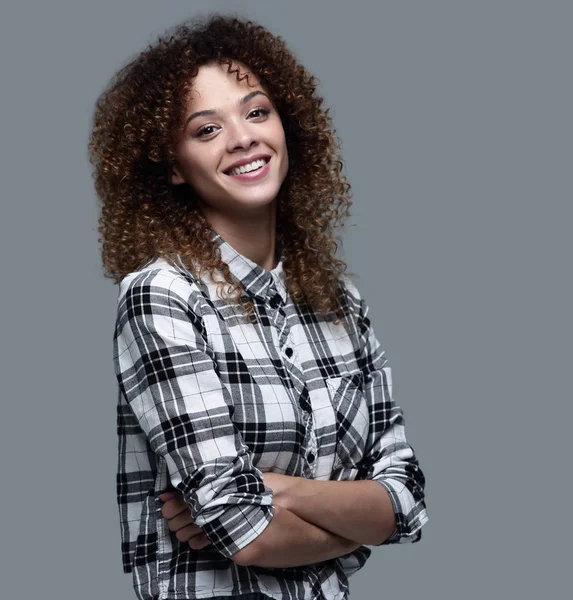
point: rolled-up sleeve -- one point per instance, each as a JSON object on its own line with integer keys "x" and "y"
{"x": 169, "y": 377}
{"x": 388, "y": 458}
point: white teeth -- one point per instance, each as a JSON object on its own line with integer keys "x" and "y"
{"x": 256, "y": 164}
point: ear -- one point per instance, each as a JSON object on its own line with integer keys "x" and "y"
{"x": 175, "y": 176}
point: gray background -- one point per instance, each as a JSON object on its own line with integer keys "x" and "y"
{"x": 455, "y": 121}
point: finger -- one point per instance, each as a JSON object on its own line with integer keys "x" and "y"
{"x": 180, "y": 521}
{"x": 199, "y": 541}
{"x": 174, "y": 507}
{"x": 187, "y": 533}
{"x": 170, "y": 493}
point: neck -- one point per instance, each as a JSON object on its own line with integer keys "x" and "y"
{"x": 252, "y": 235}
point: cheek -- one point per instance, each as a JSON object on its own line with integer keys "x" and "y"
{"x": 284, "y": 150}
{"x": 200, "y": 168}
{"x": 280, "y": 136}
{"x": 281, "y": 148}
{"x": 284, "y": 165}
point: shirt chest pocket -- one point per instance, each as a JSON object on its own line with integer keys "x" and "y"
{"x": 352, "y": 418}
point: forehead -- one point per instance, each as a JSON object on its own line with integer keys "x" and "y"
{"x": 215, "y": 86}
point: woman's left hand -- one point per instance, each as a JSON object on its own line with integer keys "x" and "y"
{"x": 178, "y": 515}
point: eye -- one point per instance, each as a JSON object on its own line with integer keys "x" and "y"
{"x": 204, "y": 131}
{"x": 263, "y": 111}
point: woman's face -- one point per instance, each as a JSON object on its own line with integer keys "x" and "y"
{"x": 229, "y": 122}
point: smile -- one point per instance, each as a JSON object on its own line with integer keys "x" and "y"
{"x": 251, "y": 172}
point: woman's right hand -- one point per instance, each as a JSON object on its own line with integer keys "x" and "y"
{"x": 178, "y": 515}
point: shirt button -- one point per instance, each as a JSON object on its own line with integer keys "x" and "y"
{"x": 310, "y": 457}
{"x": 275, "y": 301}
{"x": 288, "y": 352}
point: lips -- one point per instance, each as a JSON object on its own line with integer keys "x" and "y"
{"x": 253, "y": 176}
{"x": 246, "y": 161}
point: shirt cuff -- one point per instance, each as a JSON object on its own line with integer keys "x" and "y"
{"x": 410, "y": 515}
{"x": 238, "y": 526}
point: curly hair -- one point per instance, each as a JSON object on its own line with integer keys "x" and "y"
{"x": 135, "y": 128}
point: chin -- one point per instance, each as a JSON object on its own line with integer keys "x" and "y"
{"x": 254, "y": 198}
{"x": 248, "y": 205}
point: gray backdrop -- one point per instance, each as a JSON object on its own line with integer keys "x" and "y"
{"x": 455, "y": 121}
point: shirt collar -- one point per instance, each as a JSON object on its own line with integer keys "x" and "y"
{"x": 256, "y": 280}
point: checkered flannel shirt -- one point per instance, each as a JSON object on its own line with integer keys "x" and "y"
{"x": 207, "y": 402}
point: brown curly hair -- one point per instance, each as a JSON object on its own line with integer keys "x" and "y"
{"x": 136, "y": 124}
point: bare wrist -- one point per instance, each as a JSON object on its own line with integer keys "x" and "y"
{"x": 352, "y": 546}
{"x": 287, "y": 497}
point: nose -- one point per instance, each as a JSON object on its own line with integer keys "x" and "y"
{"x": 241, "y": 136}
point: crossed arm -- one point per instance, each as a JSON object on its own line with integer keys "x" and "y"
{"x": 314, "y": 521}
{"x": 168, "y": 375}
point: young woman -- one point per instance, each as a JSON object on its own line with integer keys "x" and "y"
{"x": 260, "y": 449}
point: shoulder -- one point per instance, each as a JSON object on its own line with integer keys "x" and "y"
{"x": 164, "y": 299}
{"x": 351, "y": 294}
{"x": 161, "y": 282}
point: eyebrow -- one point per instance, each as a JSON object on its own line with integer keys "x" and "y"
{"x": 212, "y": 111}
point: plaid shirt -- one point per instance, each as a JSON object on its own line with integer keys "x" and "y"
{"x": 207, "y": 402}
